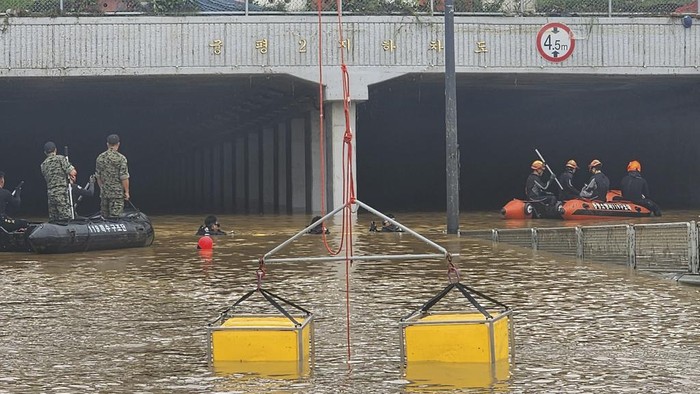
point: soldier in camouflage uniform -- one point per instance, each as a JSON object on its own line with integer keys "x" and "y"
{"x": 58, "y": 172}
{"x": 113, "y": 178}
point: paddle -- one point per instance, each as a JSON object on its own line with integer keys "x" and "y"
{"x": 550, "y": 170}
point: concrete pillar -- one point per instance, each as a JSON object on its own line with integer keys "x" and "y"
{"x": 268, "y": 170}
{"x": 198, "y": 179}
{"x": 206, "y": 200}
{"x": 298, "y": 165}
{"x": 240, "y": 160}
{"x": 315, "y": 162}
{"x": 216, "y": 184}
{"x": 281, "y": 171}
{"x": 227, "y": 177}
{"x": 335, "y": 132}
{"x": 253, "y": 173}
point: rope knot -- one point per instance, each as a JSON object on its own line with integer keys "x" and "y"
{"x": 452, "y": 271}
{"x": 260, "y": 272}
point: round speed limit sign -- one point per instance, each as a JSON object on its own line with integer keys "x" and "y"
{"x": 555, "y": 42}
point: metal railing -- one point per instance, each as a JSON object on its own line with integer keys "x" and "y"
{"x": 350, "y": 7}
{"x": 659, "y": 247}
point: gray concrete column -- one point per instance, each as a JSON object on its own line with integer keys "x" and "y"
{"x": 197, "y": 203}
{"x": 216, "y": 180}
{"x": 268, "y": 170}
{"x": 315, "y": 158}
{"x": 205, "y": 201}
{"x": 282, "y": 170}
{"x": 228, "y": 177}
{"x": 240, "y": 160}
{"x": 334, "y": 133}
{"x": 254, "y": 173}
{"x": 298, "y": 165}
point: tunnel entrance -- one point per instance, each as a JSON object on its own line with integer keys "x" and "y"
{"x": 400, "y": 133}
{"x": 502, "y": 118}
{"x": 156, "y": 117}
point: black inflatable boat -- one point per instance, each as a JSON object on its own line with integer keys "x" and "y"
{"x": 131, "y": 230}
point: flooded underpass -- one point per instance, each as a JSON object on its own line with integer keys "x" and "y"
{"x": 502, "y": 118}
{"x": 135, "y": 319}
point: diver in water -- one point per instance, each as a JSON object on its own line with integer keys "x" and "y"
{"x": 320, "y": 228}
{"x": 387, "y": 227}
{"x": 211, "y": 226}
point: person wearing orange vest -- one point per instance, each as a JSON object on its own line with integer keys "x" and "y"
{"x": 599, "y": 184}
{"x": 569, "y": 191}
{"x": 635, "y": 188}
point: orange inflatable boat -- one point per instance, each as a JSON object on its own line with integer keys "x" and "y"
{"x": 576, "y": 209}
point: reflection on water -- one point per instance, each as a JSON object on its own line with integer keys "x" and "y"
{"x": 135, "y": 320}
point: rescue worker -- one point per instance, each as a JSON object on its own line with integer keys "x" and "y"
{"x": 211, "y": 226}
{"x": 319, "y": 229}
{"x": 80, "y": 192}
{"x": 387, "y": 226}
{"x": 58, "y": 173}
{"x": 635, "y": 188}
{"x": 599, "y": 184}
{"x": 113, "y": 178}
{"x": 536, "y": 188}
{"x": 11, "y": 199}
{"x": 565, "y": 178}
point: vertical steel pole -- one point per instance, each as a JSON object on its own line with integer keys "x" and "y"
{"x": 451, "y": 122}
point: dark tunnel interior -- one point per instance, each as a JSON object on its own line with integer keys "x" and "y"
{"x": 502, "y": 119}
{"x": 400, "y": 132}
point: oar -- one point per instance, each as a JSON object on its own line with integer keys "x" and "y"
{"x": 550, "y": 170}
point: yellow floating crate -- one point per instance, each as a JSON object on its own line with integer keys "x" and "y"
{"x": 457, "y": 375}
{"x": 454, "y": 337}
{"x": 261, "y": 338}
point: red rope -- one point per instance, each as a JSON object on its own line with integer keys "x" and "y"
{"x": 348, "y": 188}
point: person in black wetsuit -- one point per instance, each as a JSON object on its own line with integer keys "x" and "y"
{"x": 599, "y": 184}
{"x": 211, "y": 226}
{"x": 319, "y": 229}
{"x": 536, "y": 188}
{"x": 635, "y": 188}
{"x": 387, "y": 226}
{"x": 565, "y": 178}
{"x": 11, "y": 199}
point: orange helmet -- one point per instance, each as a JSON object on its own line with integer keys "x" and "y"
{"x": 595, "y": 163}
{"x": 571, "y": 164}
{"x": 537, "y": 165}
{"x": 634, "y": 165}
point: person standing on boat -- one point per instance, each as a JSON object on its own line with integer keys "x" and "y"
{"x": 113, "y": 178}
{"x": 536, "y": 188}
{"x": 12, "y": 200}
{"x": 599, "y": 184}
{"x": 58, "y": 172}
{"x": 565, "y": 178}
{"x": 635, "y": 188}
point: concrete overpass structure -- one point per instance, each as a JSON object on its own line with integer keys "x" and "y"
{"x": 220, "y": 113}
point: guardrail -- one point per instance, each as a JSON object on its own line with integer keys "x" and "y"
{"x": 659, "y": 247}
{"x": 351, "y": 7}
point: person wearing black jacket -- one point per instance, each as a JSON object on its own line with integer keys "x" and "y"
{"x": 535, "y": 188}
{"x": 13, "y": 200}
{"x": 635, "y": 188}
{"x": 211, "y": 226}
{"x": 569, "y": 191}
{"x": 599, "y": 184}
